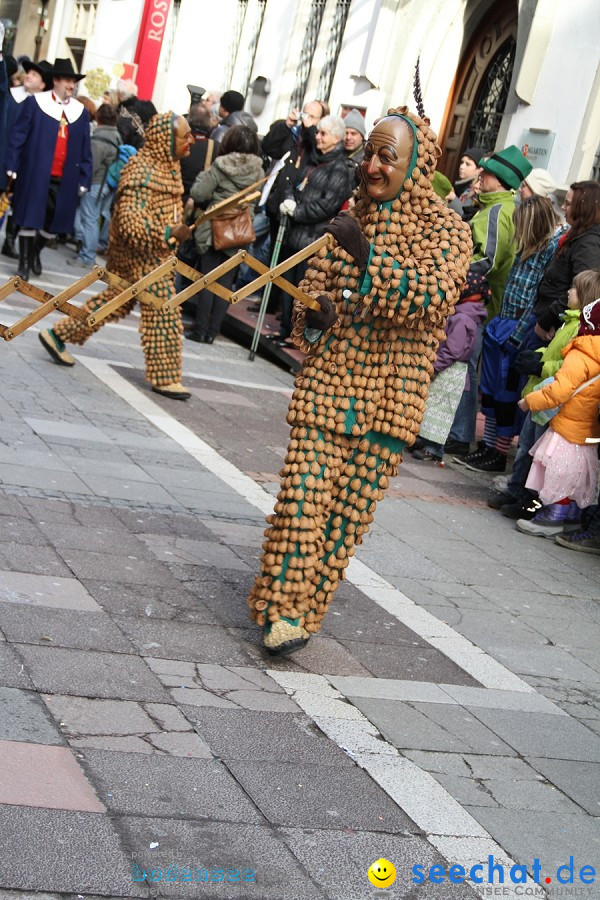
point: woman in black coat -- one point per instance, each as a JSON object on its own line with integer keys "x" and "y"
{"x": 577, "y": 251}
{"x": 314, "y": 201}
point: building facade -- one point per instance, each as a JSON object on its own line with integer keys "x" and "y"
{"x": 493, "y": 72}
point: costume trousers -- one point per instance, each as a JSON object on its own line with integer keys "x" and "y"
{"x": 210, "y": 309}
{"x": 330, "y": 485}
{"x": 160, "y": 335}
{"x": 463, "y": 427}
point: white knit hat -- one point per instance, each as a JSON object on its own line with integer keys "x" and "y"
{"x": 541, "y": 182}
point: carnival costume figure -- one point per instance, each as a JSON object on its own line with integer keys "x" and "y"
{"x": 148, "y": 204}
{"x": 385, "y": 289}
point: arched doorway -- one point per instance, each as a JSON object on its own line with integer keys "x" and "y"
{"x": 477, "y": 100}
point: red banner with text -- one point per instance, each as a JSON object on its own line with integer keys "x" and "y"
{"x": 147, "y": 54}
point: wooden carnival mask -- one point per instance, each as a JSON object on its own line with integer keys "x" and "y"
{"x": 387, "y": 158}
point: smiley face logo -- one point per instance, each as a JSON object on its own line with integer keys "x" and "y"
{"x": 381, "y": 873}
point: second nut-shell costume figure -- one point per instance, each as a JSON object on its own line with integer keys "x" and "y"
{"x": 385, "y": 289}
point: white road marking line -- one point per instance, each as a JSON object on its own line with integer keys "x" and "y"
{"x": 454, "y": 832}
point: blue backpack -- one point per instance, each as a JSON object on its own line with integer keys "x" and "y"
{"x": 113, "y": 173}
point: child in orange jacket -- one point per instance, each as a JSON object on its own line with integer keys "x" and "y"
{"x": 565, "y": 468}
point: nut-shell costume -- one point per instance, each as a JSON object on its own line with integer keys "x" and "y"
{"x": 360, "y": 396}
{"x": 149, "y": 200}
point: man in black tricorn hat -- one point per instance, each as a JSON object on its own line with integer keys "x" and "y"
{"x": 50, "y": 157}
{"x": 37, "y": 78}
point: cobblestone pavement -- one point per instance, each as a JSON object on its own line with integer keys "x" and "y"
{"x": 448, "y": 711}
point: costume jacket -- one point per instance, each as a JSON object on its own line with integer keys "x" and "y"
{"x": 240, "y": 117}
{"x": 577, "y": 418}
{"x": 391, "y": 321}
{"x": 551, "y": 355}
{"x": 575, "y": 256}
{"x": 493, "y": 229}
{"x": 30, "y": 154}
{"x": 279, "y": 140}
{"x": 106, "y": 141}
{"x": 319, "y": 197}
{"x": 227, "y": 175}
{"x": 461, "y": 332}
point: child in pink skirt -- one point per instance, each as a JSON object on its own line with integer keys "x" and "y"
{"x": 565, "y": 468}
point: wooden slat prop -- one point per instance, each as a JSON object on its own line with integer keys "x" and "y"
{"x": 242, "y": 198}
{"x": 209, "y": 282}
{"x": 135, "y": 291}
{"x": 60, "y": 302}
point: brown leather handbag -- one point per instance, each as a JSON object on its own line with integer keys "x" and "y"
{"x": 233, "y": 229}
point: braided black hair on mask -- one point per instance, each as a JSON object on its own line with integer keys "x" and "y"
{"x": 417, "y": 92}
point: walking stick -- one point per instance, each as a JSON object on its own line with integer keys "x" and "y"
{"x": 267, "y": 290}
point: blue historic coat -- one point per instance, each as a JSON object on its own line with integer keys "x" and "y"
{"x": 30, "y": 153}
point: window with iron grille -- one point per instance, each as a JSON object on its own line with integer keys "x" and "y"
{"x": 235, "y": 43}
{"x": 309, "y": 46}
{"x": 84, "y": 18}
{"x": 334, "y": 45}
{"x": 258, "y": 21}
{"x": 487, "y": 116}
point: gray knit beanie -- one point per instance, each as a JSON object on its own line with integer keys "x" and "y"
{"x": 356, "y": 121}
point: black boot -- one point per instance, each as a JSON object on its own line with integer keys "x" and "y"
{"x": 8, "y": 247}
{"x": 25, "y": 256}
{"x": 38, "y": 245}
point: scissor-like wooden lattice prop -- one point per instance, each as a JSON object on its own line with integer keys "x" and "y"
{"x": 61, "y": 302}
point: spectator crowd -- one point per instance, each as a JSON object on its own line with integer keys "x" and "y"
{"x": 523, "y": 344}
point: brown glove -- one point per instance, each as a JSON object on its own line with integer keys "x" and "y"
{"x": 347, "y": 233}
{"x": 324, "y": 318}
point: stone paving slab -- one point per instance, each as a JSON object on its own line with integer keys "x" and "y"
{"x": 21, "y": 530}
{"x": 175, "y": 640}
{"x": 323, "y": 656}
{"x": 39, "y": 560}
{"x": 552, "y": 662}
{"x": 80, "y": 716}
{"x": 241, "y": 735}
{"x": 170, "y": 549}
{"x": 538, "y": 734}
{"x": 431, "y": 726}
{"x": 193, "y": 844}
{"x": 97, "y": 540}
{"x": 579, "y": 780}
{"x": 319, "y": 796}
{"x": 12, "y": 670}
{"x": 145, "y": 522}
{"x": 153, "y": 601}
{"x": 169, "y": 787}
{"x": 408, "y": 663}
{"x": 23, "y": 717}
{"x": 44, "y": 776}
{"x": 339, "y": 860}
{"x": 113, "y": 567}
{"x": 56, "y": 670}
{"x": 62, "y": 628}
{"x": 49, "y": 479}
{"x": 63, "y": 851}
{"x": 532, "y": 835}
{"x": 45, "y": 590}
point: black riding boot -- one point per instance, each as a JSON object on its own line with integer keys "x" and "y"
{"x": 25, "y": 257}
{"x": 39, "y": 243}
{"x": 8, "y": 247}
